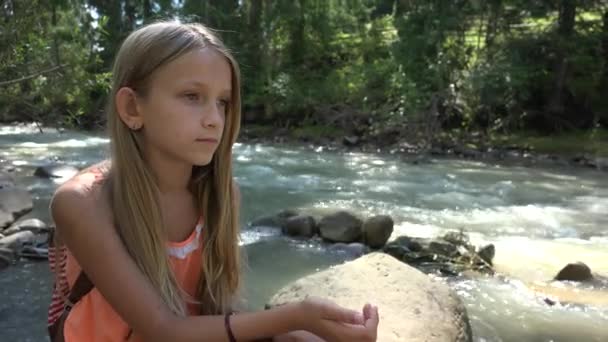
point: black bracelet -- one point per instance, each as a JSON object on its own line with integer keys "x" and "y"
{"x": 228, "y": 328}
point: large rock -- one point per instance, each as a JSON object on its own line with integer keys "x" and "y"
{"x": 6, "y": 218}
{"x": 377, "y": 230}
{"x": 442, "y": 247}
{"x": 405, "y": 244}
{"x": 276, "y": 221}
{"x": 487, "y": 253}
{"x": 34, "y": 253}
{"x": 6, "y": 181}
{"x": 18, "y": 240}
{"x": 7, "y": 256}
{"x": 575, "y": 272}
{"x": 341, "y": 227}
{"x": 601, "y": 163}
{"x": 412, "y": 306}
{"x": 14, "y": 201}
{"x": 34, "y": 225}
{"x": 56, "y": 171}
{"x": 300, "y": 225}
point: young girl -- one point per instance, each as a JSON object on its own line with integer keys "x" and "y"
{"x": 146, "y": 246}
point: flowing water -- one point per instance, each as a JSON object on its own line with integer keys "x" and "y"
{"x": 539, "y": 219}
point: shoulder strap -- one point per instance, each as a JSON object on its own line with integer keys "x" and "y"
{"x": 82, "y": 286}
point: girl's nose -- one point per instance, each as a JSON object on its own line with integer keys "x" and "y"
{"x": 213, "y": 115}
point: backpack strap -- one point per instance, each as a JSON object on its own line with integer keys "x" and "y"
{"x": 81, "y": 288}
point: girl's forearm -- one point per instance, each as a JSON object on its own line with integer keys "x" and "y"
{"x": 247, "y": 326}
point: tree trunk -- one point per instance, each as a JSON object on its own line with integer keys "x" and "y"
{"x": 604, "y": 82}
{"x": 55, "y": 41}
{"x": 296, "y": 44}
{"x": 113, "y": 10}
{"x": 492, "y": 27}
{"x": 565, "y": 29}
{"x": 601, "y": 113}
{"x": 258, "y": 49}
{"x": 147, "y": 11}
{"x": 130, "y": 10}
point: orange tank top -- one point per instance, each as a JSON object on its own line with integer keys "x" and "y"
{"x": 92, "y": 319}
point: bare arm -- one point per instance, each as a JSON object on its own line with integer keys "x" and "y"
{"x": 94, "y": 242}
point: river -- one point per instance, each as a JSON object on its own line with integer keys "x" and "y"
{"x": 539, "y": 219}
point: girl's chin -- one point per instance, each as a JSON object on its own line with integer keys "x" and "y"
{"x": 203, "y": 161}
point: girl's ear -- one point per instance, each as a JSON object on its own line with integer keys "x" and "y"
{"x": 128, "y": 109}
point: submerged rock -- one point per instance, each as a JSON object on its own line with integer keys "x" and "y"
{"x": 449, "y": 255}
{"x": 56, "y": 171}
{"x": 412, "y": 306}
{"x": 352, "y": 250}
{"x": 15, "y": 202}
{"x": 575, "y": 272}
{"x": 34, "y": 225}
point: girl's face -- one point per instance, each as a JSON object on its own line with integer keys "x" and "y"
{"x": 185, "y": 107}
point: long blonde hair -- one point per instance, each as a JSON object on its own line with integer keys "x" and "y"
{"x": 133, "y": 189}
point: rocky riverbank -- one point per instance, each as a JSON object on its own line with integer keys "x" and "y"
{"x": 416, "y": 150}
{"x": 22, "y": 237}
{"x": 449, "y": 255}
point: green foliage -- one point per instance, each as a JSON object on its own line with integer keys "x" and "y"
{"x": 56, "y": 39}
{"x": 316, "y": 132}
{"x": 593, "y": 143}
{"x": 498, "y": 65}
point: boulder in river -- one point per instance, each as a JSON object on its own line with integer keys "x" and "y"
{"x": 34, "y": 225}
{"x": 575, "y": 272}
{"x": 341, "y": 226}
{"x": 277, "y": 221}
{"x": 351, "y": 140}
{"x": 451, "y": 254}
{"x": 6, "y": 181}
{"x": 14, "y": 201}
{"x": 300, "y": 225}
{"x": 351, "y": 250}
{"x": 412, "y": 306}
{"x": 18, "y": 240}
{"x": 7, "y": 256}
{"x": 377, "y": 230}
{"x": 487, "y": 253}
{"x": 34, "y": 253}
{"x": 6, "y": 218}
{"x": 56, "y": 171}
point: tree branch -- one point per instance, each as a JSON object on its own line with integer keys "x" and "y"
{"x": 25, "y": 78}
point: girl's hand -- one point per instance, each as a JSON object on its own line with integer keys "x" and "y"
{"x": 297, "y": 336}
{"x": 333, "y": 323}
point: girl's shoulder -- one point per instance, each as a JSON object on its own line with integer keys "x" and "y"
{"x": 84, "y": 196}
{"x": 88, "y": 182}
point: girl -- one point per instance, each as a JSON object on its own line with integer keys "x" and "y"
{"x": 156, "y": 230}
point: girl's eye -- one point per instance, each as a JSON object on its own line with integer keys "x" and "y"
{"x": 224, "y": 103}
{"x": 192, "y": 96}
